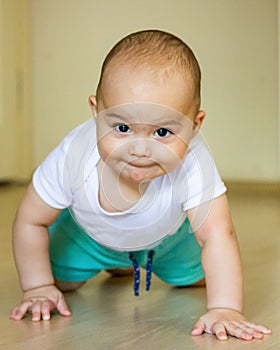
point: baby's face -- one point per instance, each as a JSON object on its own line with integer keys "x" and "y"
{"x": 142, "y": 126}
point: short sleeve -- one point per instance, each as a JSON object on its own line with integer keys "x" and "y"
{"x": 203, "y": 182}
{"x": 49, "y": 181}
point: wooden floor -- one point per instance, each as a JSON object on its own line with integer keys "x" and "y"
{"x": 106, "y": 315}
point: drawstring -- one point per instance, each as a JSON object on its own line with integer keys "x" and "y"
{"x": 149, "y": 269}
{"x": 137, "y": 272}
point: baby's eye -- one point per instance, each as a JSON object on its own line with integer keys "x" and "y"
{"x": 123, "y": 128}
{"x": 162, "y": 132}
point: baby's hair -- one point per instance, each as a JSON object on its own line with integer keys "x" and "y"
{"x": 160, "y": 53}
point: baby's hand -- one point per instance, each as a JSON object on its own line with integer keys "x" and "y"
{"x": 227, "y": 321}
{"x": 40, "y": 302}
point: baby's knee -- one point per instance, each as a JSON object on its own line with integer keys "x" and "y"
{"x": 121, "y": 272}
{"x": 68, "y": 286}
{"x": 200, "y": 283}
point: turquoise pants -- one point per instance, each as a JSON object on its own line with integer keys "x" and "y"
{"x": 76, "y": 257}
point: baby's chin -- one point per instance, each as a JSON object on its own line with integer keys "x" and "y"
{"x": 141, "y": 175}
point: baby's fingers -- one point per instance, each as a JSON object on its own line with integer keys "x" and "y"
{"x": 36, "y": 311}
{"x": 63, "y": 308}
{"x": 238, "y": 330}
{"x": 258, "y": 328}
{"x": 20, "y": 311}
{"x": 220, "y": 330}
{"x": 256, "y": 331}
{"x": 42, "y": 310}
{"x": 198, "y": 328}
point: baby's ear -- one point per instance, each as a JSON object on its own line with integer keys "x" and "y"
{"x": 198, "y": 120}
{"x": 93, "y": 105}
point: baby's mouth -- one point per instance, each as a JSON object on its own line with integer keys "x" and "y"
{"x": 141, "y": 164}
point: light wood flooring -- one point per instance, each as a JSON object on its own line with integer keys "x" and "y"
{"x": 106, "y": 315}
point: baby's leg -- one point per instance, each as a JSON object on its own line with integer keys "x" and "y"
{"x": 68, "y": 286}
{"x": 121, "y": 272}
{"x": 177, "y": 260}
{"x": 75, "y": 256}
{"x": 200, "y": 283}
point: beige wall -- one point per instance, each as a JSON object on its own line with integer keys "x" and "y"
{"x": 15, "y": 114}
{"x": 278, "y": 88}
{"x": 234, "y": 40}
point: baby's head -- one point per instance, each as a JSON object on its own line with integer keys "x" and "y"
{"x": 151, "y": 59}
{"x": 147, "y": 104}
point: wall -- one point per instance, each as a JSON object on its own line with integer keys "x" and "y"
{"x": 279, "y": 87}
{"x": 1, "y": 64}
{"x": 15, "y": 102}
{"x": 234, "y": 40}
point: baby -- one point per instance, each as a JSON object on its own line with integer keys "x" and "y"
{"x": 135, "y": 186}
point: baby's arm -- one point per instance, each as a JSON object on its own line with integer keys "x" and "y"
{"x": 31, "y": 252}
{"x": 223, "y": 274}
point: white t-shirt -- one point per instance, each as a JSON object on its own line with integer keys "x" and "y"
{"x": 68, "y": 178}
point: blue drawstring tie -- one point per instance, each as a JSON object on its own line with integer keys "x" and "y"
{"x": 137, "y": 271}
{"x": 149, "y": 269}
{"x": 136, "y": 274}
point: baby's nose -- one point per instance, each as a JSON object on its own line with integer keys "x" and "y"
{"x": 140, "y": 147}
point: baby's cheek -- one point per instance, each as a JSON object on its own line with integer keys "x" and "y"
{"x": 172, "y": 157}
{"x": 106, "y": 148}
